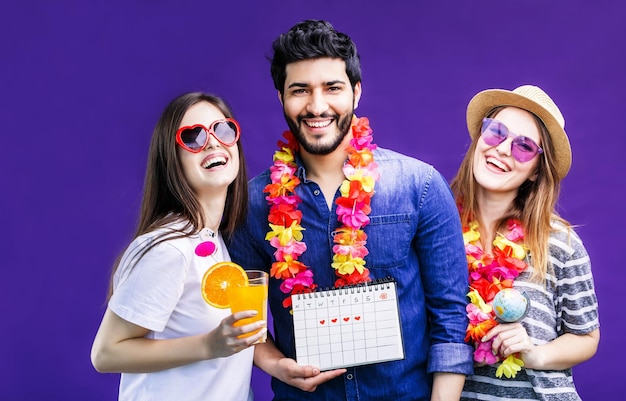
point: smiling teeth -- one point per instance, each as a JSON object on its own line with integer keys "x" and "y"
{"x": 318, "y": 124}
{"x": 497, "y": 163}
{"x": 214, "y": 161}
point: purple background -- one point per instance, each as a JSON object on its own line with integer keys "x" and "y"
{"x": 83, "y": 82}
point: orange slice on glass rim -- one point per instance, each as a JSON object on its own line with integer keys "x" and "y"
{"x": 218, "y": 278}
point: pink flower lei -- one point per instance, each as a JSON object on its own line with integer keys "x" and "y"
{"x": 353, "y": 208}
{"x": 488, "y": 274}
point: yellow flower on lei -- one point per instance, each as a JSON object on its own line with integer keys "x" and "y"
{"x": 478, "y": 301}
{"x": 509, "y": 367}
{"x": 352, "y": 174}
{"x": 346, "y": 264}
{"x": 519, "y": 251}
{"x": 285, "y": 155}
{"x": 472, "y": 234}
{"x": 285, "y": 234}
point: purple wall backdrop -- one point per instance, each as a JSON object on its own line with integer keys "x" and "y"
{"x": 83, "y": 83}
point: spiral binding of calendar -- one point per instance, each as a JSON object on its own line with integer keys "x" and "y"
{"x": 350, "y": 289}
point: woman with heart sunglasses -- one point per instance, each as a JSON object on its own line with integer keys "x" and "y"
{"x": 157, "y": 330}
{"x": 507, "y": 187}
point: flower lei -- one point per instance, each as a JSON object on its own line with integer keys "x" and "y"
{"x": 353, "y": 208}
{"x": 488, "y": 274}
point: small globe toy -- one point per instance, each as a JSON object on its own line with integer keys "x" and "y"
{"x": 510, "y": 305}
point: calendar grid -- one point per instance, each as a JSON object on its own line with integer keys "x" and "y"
{"x": 348, "y": 326}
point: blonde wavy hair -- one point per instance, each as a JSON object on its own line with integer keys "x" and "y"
{"x": 534, "y": 205}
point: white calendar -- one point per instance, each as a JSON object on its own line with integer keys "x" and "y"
{"x": 349, "y": 326}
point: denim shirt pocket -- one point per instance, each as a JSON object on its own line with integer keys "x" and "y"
{"x": 388, "y": 240}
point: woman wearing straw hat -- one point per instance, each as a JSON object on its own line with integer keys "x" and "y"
{"x": 507, "y": 188}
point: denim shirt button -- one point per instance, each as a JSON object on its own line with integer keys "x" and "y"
{"x": 316, "y": 192}
{"x": 349, "y": 376}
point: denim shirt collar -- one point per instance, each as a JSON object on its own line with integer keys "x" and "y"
{"x": 300, "y": 170}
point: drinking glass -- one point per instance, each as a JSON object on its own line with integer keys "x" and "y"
{"x": 251, "y": 297}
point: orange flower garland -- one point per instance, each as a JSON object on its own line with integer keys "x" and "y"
{"x": 488, "y": 274}
{"x": 353, "y": 208}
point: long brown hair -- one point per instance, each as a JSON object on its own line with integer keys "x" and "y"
{"x": 534, "y": 205}
{"x": 167, "y": 196}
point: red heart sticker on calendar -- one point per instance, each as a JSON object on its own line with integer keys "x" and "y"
{"x": 345, "y": 319}
{"x": 334, "y": 320}
{"x": 357, "y": 318}
{"x": 322, "y": 321}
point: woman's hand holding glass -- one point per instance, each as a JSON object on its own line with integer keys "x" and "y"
{"x": 224, "y": 339}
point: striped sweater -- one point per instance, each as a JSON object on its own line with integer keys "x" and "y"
{"x": 566, "y": 304}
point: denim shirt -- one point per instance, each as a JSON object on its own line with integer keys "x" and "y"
{"x": 415, "y": 237}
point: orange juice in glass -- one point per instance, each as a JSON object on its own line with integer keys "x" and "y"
{"x": 250, "y": 297}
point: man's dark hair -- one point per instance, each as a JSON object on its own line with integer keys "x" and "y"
{"x": 313, "y": 39}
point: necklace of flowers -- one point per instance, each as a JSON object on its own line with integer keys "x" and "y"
{"x": 353, "y": 208}
{"x": 488, "y": 274}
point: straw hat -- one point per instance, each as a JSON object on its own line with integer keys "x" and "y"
{"x": 534, "y": 100}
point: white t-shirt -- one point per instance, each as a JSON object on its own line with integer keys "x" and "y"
{"x": 162, "y": 294}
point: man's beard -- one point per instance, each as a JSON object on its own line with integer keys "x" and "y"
{"x": 343, "y": 125}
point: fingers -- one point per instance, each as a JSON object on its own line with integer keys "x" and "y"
{"x": 306, "y": 371}
{"x": 243, "y": 315}
{"x": 518, "y": 343}
{"x": 261, "y": 336}
{"x": 305, "y": 377}
{"x": 230, "y": 329}
{"x": 502, "y": 327}
{"x": 228, "y": 339}
{"x": 249, "y": 328}
{"x": 508, "y": 339}
{"x": 330, "y": 374}
{"x": 312, "y": 377}
{"x": 233, "y": 343}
